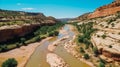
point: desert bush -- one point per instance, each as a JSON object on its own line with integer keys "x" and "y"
{"x": 11, "y": 62}
{"x": 103, "y": 36}
{"x": 82, "y": 50}
{"x": 95, "y": 50}
{"x": 86, "y": 56}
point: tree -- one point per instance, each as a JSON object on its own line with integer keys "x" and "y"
{"x": 53, "y": 33}
{"x": 118, "y": 14}
{"x": 11, "y": 62}
{"x": 4, "y": 48}
{"x": 22, "y": 40}
{"x": 86, "y": 56}
{"x": 17, "y": 45}
{"x": 56, "y": 33}
{"x": 101, "y": 64}
{"x": 113, "y": 24}
{"x": 82, "y": 50}
{"x": 95, "y": 50}
{"x": 104, "y": 36}
{"x": 110, "y": 46}
{"x": 37, "y": 38}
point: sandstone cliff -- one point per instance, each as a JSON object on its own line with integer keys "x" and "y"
{"x": 106, "y": 10}
{"x": 17, "y": 23}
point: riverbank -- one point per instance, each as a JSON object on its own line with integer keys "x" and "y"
{"x": 71, "y": 45}
{"x": 21, "y": 54}
{"x": 53, "y": 59}
{"x": 67, "y": 36}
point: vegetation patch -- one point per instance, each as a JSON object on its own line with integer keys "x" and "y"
{"x": 86, "y": 56}
{"x": 41, "y": 33}
{"x": 11, "y": 62}
{"x": 85, "y": 30}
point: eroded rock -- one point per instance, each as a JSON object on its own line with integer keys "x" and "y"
{"x": 56, "y": 61}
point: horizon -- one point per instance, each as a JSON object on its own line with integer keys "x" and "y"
{"x": 57, "y": 9}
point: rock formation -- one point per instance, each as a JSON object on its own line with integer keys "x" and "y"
{"x": 106, "y": 10}
{"x": 28, "y": 23}
{"x": 56, "y": 61}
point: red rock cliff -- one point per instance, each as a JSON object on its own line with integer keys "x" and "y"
{"x": 106, "y": 10}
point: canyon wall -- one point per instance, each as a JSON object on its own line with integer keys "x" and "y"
{"x": 10, "y": 32}
{"x": 106, "y": 10}
{"x": 30, "y": 22}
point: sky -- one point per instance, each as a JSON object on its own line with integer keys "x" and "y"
{"x": 55, "y": 8}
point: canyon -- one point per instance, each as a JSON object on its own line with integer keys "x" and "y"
{"x": 88, "y": 40}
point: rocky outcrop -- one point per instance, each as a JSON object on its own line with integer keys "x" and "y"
{"x": 106, "y": 10}
{"x": 10, "y": 32}
{"x": 28, "y": 23}
{"x": 114, "y": 56}
{"x": 56, "y": 61}
{"x": 14, "y": 31}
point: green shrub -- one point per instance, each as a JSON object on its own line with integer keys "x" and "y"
{"x": 118, "y": 14}
{"x": 101, "y": 64}
{"x": 102, "y": 60}
{"x": 4, "y": 48}
{"x": 113, "y": 24}
{"x": 53, "y": 33}
{"x": 110, "y": 46}
{"x": 37, "y": 38}
{"x": 103, "y": 36}
{"x": 11, "y": 62}
{"x": 111, "y": 20}
{"x": 22, "y": 40}
{"x": 86, "y": 30}
{"x": 82, "y": 50}
{"x": 86, "y": 56}
{"x": 56, "y": 33}
{"x": 36, "y": 35}
{"x": 0, "y": 49}
{"x": 80, "y": 39}
{"x": 17, "y": 45}
{"x": 98, "y": 35}
{"x": 95, "y": 50}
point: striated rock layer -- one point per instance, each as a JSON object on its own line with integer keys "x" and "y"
{"x": 106, "y": 10}
{"x": 23, "y": 23}
{"x": 10, "y": 32}
{"x": 114, "y": 56}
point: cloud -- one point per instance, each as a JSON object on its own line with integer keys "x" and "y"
{"x": 19, "y": 4}
{"x": 27, "y": 8}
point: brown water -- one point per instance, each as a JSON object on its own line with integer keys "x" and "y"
{"x": 38, "y": 59}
